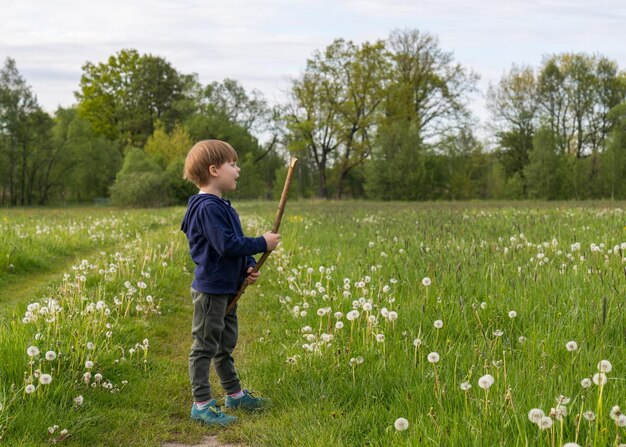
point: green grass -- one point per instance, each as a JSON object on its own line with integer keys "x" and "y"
{"x": 321, "y": 398}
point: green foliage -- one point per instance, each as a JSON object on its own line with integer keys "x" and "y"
{"x": 514, "y": 188}
{"x": 397, "y": 168}
{"x": 25, "y": 150}
{"x": 124, "y": 96}
{"x": 387, "y": 119}
{"x": 140, "y": 183}
{"x": 541, "y": 174}
{"x": 166, "y": 148}
{"x": 86, "y": 163}
{"x": 180, "y": 189}
{"x": 613, "y": 161}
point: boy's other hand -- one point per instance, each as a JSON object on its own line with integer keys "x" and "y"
{"x": 272, "y": 240}
{"x": 252, "y": 277}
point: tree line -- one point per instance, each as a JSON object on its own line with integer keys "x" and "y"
{"x": 383, "y": 120}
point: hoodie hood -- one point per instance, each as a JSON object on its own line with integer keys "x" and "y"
{"x": 195, "y": 203}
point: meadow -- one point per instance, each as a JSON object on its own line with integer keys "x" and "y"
{"x": 444, "y": 324}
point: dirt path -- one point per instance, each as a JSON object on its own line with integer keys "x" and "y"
{"x": 207, "y": 441}
{"x": 31, "y": 286}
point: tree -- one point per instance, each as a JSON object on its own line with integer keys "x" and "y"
{"x": 123, "y": 97}
{"x": 24, "y": 133}
{"x": 466, "y": 167}
{"x": 169, "y": 151}
{"x": 541, "y": 173}
{"x": 576, "y": 92}
{"x": 514, "y": 105}
{"x": 85, "y": 164}
{"x": 140, "y": 183}
{"x": 427, "y": 87}
{"x": 425, "y": 103}
{"x": 613, "y": 161}
{"x": 397, "y": 168}
{"x": 363, "y": 71}
{"x": 313, "y": 118}
{"x": 249, "y": 110}
{"x": 166, "y": 148}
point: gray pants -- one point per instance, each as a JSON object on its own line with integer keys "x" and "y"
{"x": 214, "y": 338}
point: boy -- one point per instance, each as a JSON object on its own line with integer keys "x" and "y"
{"x": 223, "y": 258}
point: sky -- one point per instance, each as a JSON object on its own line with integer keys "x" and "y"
{"x": 264, "y": 43}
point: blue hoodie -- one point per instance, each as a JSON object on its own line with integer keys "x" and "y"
{"x": 219, "y": 249}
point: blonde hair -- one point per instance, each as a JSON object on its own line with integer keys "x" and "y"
{"x": 204, "y": 154}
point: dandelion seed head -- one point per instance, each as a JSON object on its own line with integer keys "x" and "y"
{"x": 51, "y": 355}
{"x": 417, "y": 342}
{"x": 512, "y": 314}
{"x": 535, "y": 415}
{"x": 589, "y": 415}
{"x": 599, "y": 378}
{"x": 604, "y": 366}
{"x": 426, "y": 281}
{"x": 465, "y": 386}
{"x": 571, "y": 346}
{"x": 30, "y": 388}
{"x": 352, "y": 315}
{"x": 438, "y": 324}
{"x": 380, "y": 338}
{"x": 585, "y": 383}
{"x": 486, "y": 381}
{"x": 45, "y": 379}
{"x": 392, "y": 316}
{"x": 563, "y": 400}
{"x": 545, "y": 423}
{"x": 32, "y": 351}
{"x": 615, "y": 412}
{"x": 433, "y": 357}
{"x": 401, "y": 424}
{"x": 559, "y": 412}
{"x": 78, "y": 401}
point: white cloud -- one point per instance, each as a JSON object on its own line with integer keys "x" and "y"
{"x": 262, "y": 43}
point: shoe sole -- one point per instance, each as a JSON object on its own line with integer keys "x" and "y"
{"x": 212, "y": 424}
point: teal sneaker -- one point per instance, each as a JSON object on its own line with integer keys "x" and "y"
{"x": 246, "y": 402}
{"x": 212, "y": 415}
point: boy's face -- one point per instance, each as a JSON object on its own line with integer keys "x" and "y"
{"x": 225, "y": 176}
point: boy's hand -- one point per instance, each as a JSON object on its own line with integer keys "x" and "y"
{"x": 252, "y": 277}
{"x": 272, "y": 240}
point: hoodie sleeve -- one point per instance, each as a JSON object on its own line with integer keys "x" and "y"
{"x": 250, "y": 262}
{"x": 218, "y": 230}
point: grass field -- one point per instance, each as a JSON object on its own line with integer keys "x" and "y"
{"x": 453, "y": 321}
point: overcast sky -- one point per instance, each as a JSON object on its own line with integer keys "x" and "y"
{"x": 262, "y": 43}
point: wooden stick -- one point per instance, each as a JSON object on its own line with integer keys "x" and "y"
{"x": 277, "y": 219}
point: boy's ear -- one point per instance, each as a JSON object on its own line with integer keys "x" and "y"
{"x": 213, "y": 170}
